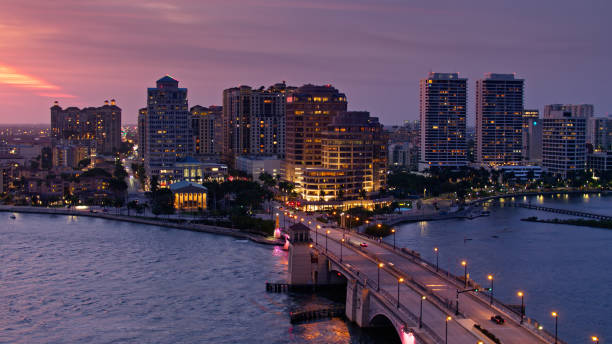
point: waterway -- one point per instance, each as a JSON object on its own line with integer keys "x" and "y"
{"x": 560, "y": 268}
{"x": 67, "y": 279}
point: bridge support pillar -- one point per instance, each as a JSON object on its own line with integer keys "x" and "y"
{"x": 357, "y": 303}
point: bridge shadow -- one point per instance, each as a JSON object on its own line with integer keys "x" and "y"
{"x": 383, "y": 331}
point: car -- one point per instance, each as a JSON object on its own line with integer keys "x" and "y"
{"x": 363, "y": 244}
{"x": 498, "y": 319}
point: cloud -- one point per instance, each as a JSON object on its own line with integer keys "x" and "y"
{"x": 57, "y": 95}
{"x": 10, "y": 76}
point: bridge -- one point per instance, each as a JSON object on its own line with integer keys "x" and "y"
{"x": 394, "y": 289}
{"x": 561, "y": 211}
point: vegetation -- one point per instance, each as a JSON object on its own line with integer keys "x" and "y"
{"x": 378, "y": 230}
{"x": 487, "y": 333}
{"x": 607, "y": 224}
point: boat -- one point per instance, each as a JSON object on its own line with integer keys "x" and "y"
{"x": 485, "y": 213}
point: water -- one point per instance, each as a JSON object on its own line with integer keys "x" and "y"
{"x": 84, "y": 280}
{"x": 560, "y": 268}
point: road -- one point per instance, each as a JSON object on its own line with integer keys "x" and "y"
{"x": 472, "y": 309}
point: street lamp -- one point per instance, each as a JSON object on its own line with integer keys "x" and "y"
{"x": 464, "y": 263}
{"x": 421, "y": 313}
{"x": 490, "y": 277}
{"x": 326, "y": 234}
{"x": 317, "y": 234}
{"x": 393, "y": 231}
{"x": 522, "y": 296}
{"x": 446, "y": 332}
{"x": 595, "y": 339}
{"x": 380, "y": 265}
{"x": 437, "y": 256}
{"x": 341, "y": 244}
{"x": 399, "y": 281}
{"x": 556, "y": 316}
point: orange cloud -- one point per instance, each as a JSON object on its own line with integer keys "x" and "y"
{"x": 57, "y": 95}
{"x": 10, "y": 76}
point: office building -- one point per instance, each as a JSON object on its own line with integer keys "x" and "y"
{"x": 354, "y": 160}
{"x": 310, "y": 109}
{"x": 443, "y": 103}
{"x": 599, "y": 161}
{"x": 207, "y": 131}
{"x": 532, "y": 136}
{"x": 254, "y": 121}
{"x": 499, "y": 111}
{"x": 600, "y": 133}
{"x": 563, "y": 142}
{"x": 142, "y": 137}
{"x": 167, "y": 129}
{"x": 575, "y": 110}
{"x": 98, "y": 127}
{"x": 255, "y": 165}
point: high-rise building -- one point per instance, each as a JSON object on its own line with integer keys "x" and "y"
{"x": 310, "y": 109}
{"x": 443, "y": 103}
{"x": 207, "y": 129}
{"x": 167, "y": 129}
{"x": 600, "y": 133}
{"x": 499, "y": 110}
{"x": 575, "y": 110}
{"x": 563, "y": 142}
{"x": 532, "y": 136}
{"x": 142, "y": 137}
{"x": 354, "y": 159}
{"x": 98, "y": 127}
{"x": 254, "y": 121}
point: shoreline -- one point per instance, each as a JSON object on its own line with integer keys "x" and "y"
{"x": 145, "y": 221}
{"x": 573, "y": 222}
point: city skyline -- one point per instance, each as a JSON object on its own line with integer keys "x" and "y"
{"x": 94, "y": 52}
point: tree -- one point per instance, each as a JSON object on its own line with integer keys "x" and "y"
{"x": 267, "y": 179}
{"x": 163, "y": 202}
{"x": 154, "y": 184}
{"x": 84, "y": 163}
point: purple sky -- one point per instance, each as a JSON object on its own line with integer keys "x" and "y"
{"x": 82, "y": 52}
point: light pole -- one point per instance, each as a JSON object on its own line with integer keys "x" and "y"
{"x": 421, "y": 313}
{"x": 380, "y": 265}
{"x": 437, "y": 256}
{"x": 393, "y": 231}
{"x": 522, "y": 296}
{"x": 446, "y": 331}
{"x": 556, "y": 316}
{"x": 341, "y": 244}
{"x": 490, "y": 277}
{"x": 595, "y": 339}
{"x": 317, "y": 234}
{"x": 399, "y": 281}
{"x": 464, "y": 263}
{"x": 326, "y": 234}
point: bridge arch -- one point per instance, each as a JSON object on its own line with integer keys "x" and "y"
{"x": 385, "y": 329}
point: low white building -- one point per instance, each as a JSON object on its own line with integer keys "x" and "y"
{"x": 256, "y": 165}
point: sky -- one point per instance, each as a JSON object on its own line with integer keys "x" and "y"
{"x": 82, "y": 52}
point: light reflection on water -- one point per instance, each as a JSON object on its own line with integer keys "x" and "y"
{"x": 560, "y": 267}
{"x": 68, "y": 279}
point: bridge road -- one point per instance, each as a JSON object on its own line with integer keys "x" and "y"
{"x": 409, "y": 299}
{"x": 479, "y": 312}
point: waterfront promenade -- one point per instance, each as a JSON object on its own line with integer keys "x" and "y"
{"x": 145, "y": 221}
